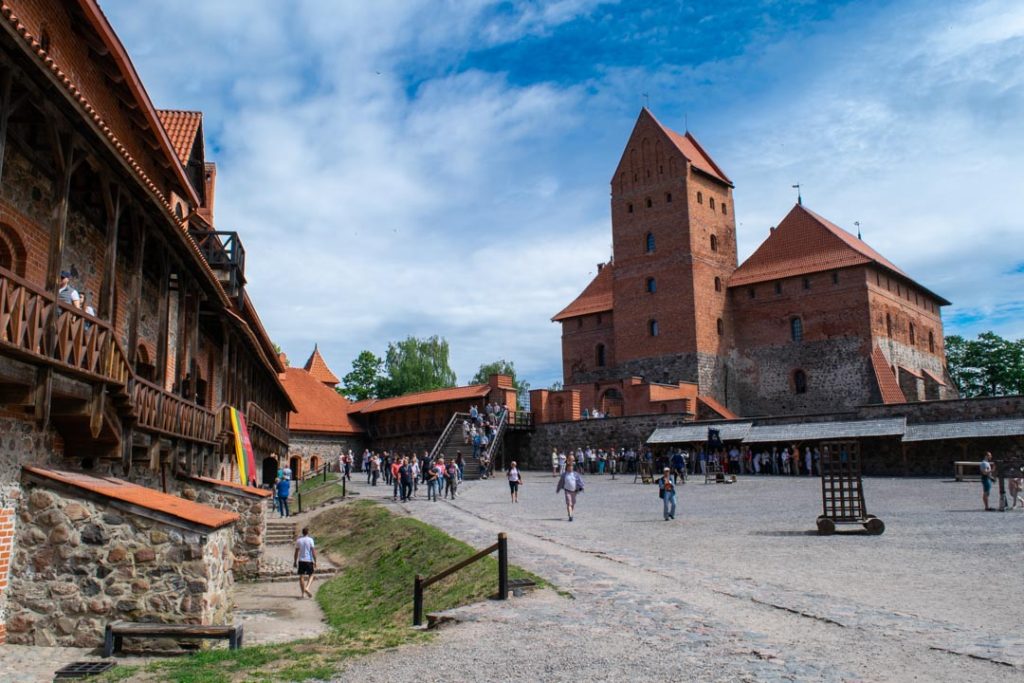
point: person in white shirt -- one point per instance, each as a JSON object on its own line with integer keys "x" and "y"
{"x": 986, "y": 478}
{"x": 514, "y": 481}
{"x": 305, "y": 561}
{"x": 571, "y": 483}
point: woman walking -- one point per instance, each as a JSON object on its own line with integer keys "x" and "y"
{"x": 667, "y": 492}
{"x": 572, "y": 483}
{"x": 514, "y": 481}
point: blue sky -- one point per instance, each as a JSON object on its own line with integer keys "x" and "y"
{"x": 407, "y": 167}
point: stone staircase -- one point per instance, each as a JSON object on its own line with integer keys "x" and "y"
{"x": 452, "y": 442}
{"x": 281, "y": 532}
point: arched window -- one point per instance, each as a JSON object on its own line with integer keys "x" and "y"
{"x": 12, "y": 251}
{"x": 888, "y": 325}
{"x": 652, "y": 328}
{"x": 714, "y": 243}
{"x": 651, "y": 285}
{"x": 600, "y": 355}
{"x": 711, "y": 203}
{"x": 913, "y": 336}
{"x": 649, "y": 202}
{"x": 800, "y": 382}
{"x": 629, "y": 208}
{"x": 668, "y": 197}
{"x": 700, "y": 198}
{"x": 778, "y": 288}
{"x": 718, "y": 284}
{"x": 724, "y": 210}
{"x": 796, "y": 329}
{"x": 931, "y": 341}
{"x": 649, "y": 243}
{"x": 721, "y": 327}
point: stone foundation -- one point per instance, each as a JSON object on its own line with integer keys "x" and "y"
{"x": 250, "y": 530}
{"x": 82, "y": 563}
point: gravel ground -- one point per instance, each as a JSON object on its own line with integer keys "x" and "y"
{"x": 738, "y": 588}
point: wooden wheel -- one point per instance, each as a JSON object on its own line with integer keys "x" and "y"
{"x": 874, "y": 526}
{"x": 826, "y": 526}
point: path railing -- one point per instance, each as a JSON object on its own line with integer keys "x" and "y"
{"x": 502, "y": 549}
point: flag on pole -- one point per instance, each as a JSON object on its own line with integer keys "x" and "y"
{"x": 243, "y": 449}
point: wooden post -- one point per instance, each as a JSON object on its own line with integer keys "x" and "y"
{"x": 162, "y": 313}
{"x": 181, "y": 338}
{"x": 138, "y": 258}
{"x": 502, "y": 566}
{"x": 417, "y": 601}
{"x": 6, "y": 82}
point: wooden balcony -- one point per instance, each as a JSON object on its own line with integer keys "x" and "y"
{"x": 225, "y": 254}
{"x": 84, "y": 347}
{"x": 158, "y": 411}
{"x": 259, "y": 419}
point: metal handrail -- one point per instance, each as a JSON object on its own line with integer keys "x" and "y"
{"x": 443, "y": 439}
{"x": 420, "y": 583}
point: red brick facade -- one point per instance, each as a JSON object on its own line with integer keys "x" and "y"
{"x": 792, "y": 329}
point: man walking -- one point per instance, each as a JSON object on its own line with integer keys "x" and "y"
{"x": 284, "y": 489}
{"x": 667, "y": 491}
{"x": 305, "y": 561}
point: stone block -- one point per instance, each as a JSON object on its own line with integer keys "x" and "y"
{"x": 143, "y": 555}
{"x": 75, "y": 512}
{"x": 39, "y": 500}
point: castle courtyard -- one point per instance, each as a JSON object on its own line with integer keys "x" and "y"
{"x": 739, "y": 587}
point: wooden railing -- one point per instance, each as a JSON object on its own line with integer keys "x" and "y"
{"x": 442, "y": 440}
{"x": 162, "y": 412}
{"x": 83, "y": 344}
{"x": 260, "y": 419}
{"x": 501, "y": 547}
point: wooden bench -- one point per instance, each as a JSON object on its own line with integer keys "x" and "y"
{"x": 959, "y": 465}
{"x": 117, "y": 631}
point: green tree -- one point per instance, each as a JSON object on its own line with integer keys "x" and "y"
{"x": 365, "y": 379}
{"x": 416, "y": 365}
{"x": 989, "y": 365}
{"x": 502, "y": 367}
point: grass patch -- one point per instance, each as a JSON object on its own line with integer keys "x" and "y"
{"x": 368, "y": 605}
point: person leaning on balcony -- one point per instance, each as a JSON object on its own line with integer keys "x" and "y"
{"x": 67, "y": 293}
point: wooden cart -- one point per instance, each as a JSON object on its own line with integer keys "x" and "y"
{"x": 842, "y": 491}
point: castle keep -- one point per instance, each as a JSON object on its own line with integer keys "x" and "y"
{"x": 814, "y": 321}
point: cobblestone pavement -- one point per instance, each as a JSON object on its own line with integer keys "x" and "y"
{"x": 738, "y": 588}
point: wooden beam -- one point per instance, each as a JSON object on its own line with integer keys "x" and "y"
{"x": 96, "y": 407}
{"x": 162, "y": 314}
{"x": 138, "y": 258}
{"x": 181, "y": 338}
{"x": 111, "y": 191}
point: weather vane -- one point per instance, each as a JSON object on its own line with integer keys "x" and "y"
{"x": 857, "y": 223}
{"x": 647, "y": 100}
{"x": 799, "y": 198}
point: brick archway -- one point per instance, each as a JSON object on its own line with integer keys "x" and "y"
{"x": 12, "y": 251}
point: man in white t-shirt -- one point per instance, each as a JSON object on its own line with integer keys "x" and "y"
{"x": 305, "y": 561}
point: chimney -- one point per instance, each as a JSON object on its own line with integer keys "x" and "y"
{"x": 599, "y": 267}
{"x": 771, "y": 230}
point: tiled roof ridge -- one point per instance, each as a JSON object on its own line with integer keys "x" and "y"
{"x": 717, "y": 407}
{"x": 888, "y": 386}
{"x": 677, "y": 140}
{"x": 372, "y": 405}
{"x": 852, "y": 241}
{"x": 314, "y": 410}
{"x": 596, "y": 297}
{"x": 182, "y": 127}
{"x": 317, "y": 367}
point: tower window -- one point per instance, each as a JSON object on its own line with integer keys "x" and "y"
{"x": 598, "y": 318}
{"x": 579, "y": 323}
{"x": 807, "y": 283}
{"x": 652, "y": 328}
{"x": 714, "y": 243}
{"x": 700, "y": 198}
{"x": 649, "y": 203}
{"x": 913, "y": 336}
{"x": 796, "y": 329}
{"x": 668, "y": 197}
{"x": 649, "y": 243}
{"x": 724, "y": 210}
{"x": 778, "y": 288}
{"x": 600, "y": 355}
{"x": 888, "y": 325}
{"x": 752, "y": 292}
{"x": 661, "y": 169}
{"x": 721, "y": 327}
{"x": 835, "y": 278}
{"x": 711, "y": 203}
{"x": 629, "y": 208}
{"x": 931, "y": 341}
{"x": 718, "y": 284}
{"x": 651, "y": 285}
{"x": 800, "y": 382}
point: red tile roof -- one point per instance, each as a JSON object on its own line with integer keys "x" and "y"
{"x": 317, "y": 366}
{"x": 596, "y": 298}
{"x": 803, "y": 243}
{"x": 888, "y": 386}
{"x": 717, "y": 407}
{"x": 181, "y": 127}
{"x": 117, "y": 489}
{"x": 251, "y": 490}
{"x": 424, "y": 398}
{"x": 695, "y": 154}
{"x": 318, "y": 408}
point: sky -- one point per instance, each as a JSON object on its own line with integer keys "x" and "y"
{"x": 414, "y": 167}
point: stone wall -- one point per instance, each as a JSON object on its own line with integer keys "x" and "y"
{"x": 21, "y": 442}
{"x": 327, "y": 447}
{"x": 84, "y": 562}
{"x": 249, "y": 531}
{"x": 534, "y": 450}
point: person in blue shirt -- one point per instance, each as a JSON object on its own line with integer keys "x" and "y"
{"x": 283, "y": 489}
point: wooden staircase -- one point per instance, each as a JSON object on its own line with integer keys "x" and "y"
{"x": 451, "y": 443}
